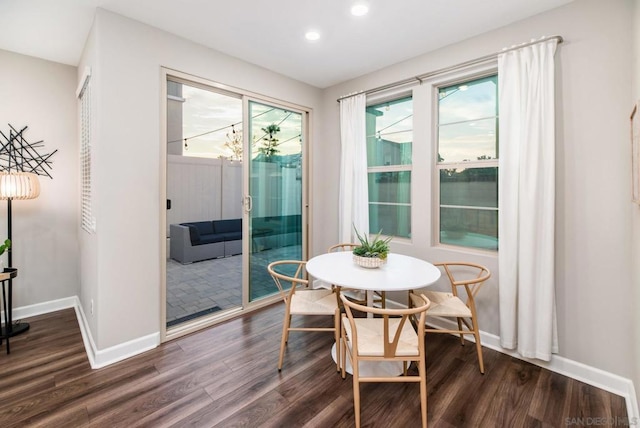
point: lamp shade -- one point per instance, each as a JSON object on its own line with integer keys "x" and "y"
{"x": 19, "y": 185}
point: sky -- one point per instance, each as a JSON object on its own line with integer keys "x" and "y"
{"x": 208, "y": 118}
{"x": 466, "y": 128}
{"x": 466, "y": 121}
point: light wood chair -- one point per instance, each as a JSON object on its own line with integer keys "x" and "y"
{"x": 358, "y": 296}
{"x": 466, "y": 279}
{"x": 299, "y": 299}
{"x": 388, "y": 337}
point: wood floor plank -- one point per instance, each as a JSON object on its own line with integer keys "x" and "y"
{"x": 154, "y": 392}
{"x": 79, "y": 393}
{"x": 227, "y": 376}
{"x": 513, "y": 396}
{"x": 44, "y": 368}
{"x": 305, "y": 402}
{"x": 479, "y": 393}
{"x": 256, "y": 412}
{"x": 473, "y": 385}
{"x": 235, "y": 390}
{"x": 549, "y": 397}
{"x": 174, "y": 412}
{"x": 74, "y": 416}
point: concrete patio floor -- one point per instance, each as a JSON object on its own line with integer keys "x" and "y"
{"x": 200, "y": 286}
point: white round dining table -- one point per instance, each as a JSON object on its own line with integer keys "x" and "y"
{"x": 399, "y": 273}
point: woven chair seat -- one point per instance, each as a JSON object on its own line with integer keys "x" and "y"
{"x": 445, "y": 304}
{"x": 371, "y": 339}
{"x": 313, "y": 302}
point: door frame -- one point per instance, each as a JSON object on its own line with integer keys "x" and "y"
{"x": 247, "y": 307}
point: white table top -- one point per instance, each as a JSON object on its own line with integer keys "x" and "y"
{"x": 400, "y": 273}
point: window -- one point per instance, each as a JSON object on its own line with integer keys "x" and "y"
{"x": 389, "y": 139}
{"x": 84, "y": 95}
{"x": 467, "y": 163}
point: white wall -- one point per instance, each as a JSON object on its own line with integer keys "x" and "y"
{"x": 88, "y": 242}
{"x": 40, "y": 95}
{"x": 593, "y": 251}
{"x": 635, "y": 209}
{"x": 129, "y": 156}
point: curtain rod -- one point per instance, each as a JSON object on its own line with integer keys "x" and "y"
{"x": 421, "y": 77}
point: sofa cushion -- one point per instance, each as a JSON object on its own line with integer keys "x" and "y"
{"x": 227, "y": 226}
{"x": 203, "y": 227}
{"x": 193, "y": 233}
{"x": 231, "y": 236}
{"x": 197, "y": 229}
{"x": 210, "y": 238}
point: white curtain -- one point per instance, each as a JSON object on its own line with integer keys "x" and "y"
{"x": 527, "y": 200}
{"x": 354, "y": 193}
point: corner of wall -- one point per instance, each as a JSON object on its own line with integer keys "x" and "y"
{"x": 103, "y": 357}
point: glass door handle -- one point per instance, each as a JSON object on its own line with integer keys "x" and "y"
{"x": 248, "y": 203}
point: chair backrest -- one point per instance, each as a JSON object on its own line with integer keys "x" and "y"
{"x": 288, "y": 275}
{"x": 416, "y": 313}
{"x": 471, "y": 276}
{"x": 342, "y": 247}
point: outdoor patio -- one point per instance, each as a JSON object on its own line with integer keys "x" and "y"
{"x": 200, "y": 288}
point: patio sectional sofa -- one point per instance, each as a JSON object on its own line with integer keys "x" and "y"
{"x": 201, "y": 240}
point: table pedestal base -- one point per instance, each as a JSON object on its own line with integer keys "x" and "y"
{"x": 371, "y": 368}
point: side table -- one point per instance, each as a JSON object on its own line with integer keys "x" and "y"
{"x": 5, "y": 278}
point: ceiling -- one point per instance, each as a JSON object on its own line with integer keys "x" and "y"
{"x": 270, "y": 33}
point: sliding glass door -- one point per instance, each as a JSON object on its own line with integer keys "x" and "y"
{"x": 204, "y": 193}
{"x": 235, "y": 199}
{"x": 275, "y": 191}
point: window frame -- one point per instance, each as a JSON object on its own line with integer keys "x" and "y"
{"x": 445, "y": 80}
{"x": 381, "y": 98}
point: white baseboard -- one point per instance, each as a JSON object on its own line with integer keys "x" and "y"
{"x": 97, "y": 357}
{"x": 103, "y": 357}
{"x": 42, "y": 308}
{"x": 113, "y": 354}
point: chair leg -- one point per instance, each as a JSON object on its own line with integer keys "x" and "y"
{"x": 342, "y": 348}
{"x": 336, "y": 326}
{"x": 476, "y": 334}
{"x": 460, "y": 329}
{"x": 356, "y": 392}
{"x": 285, "y": 337}
{"x": 336, "y": 289}
{"x": 423, "y": 391}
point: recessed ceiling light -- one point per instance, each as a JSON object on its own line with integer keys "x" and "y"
{"x": 312, "y": 36}
{"x": 359, "y": 9}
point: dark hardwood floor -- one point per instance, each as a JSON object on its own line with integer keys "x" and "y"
{"x": 226, "y": 376}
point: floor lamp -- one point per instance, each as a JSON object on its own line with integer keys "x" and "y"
{"x": 16, "y": 185}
